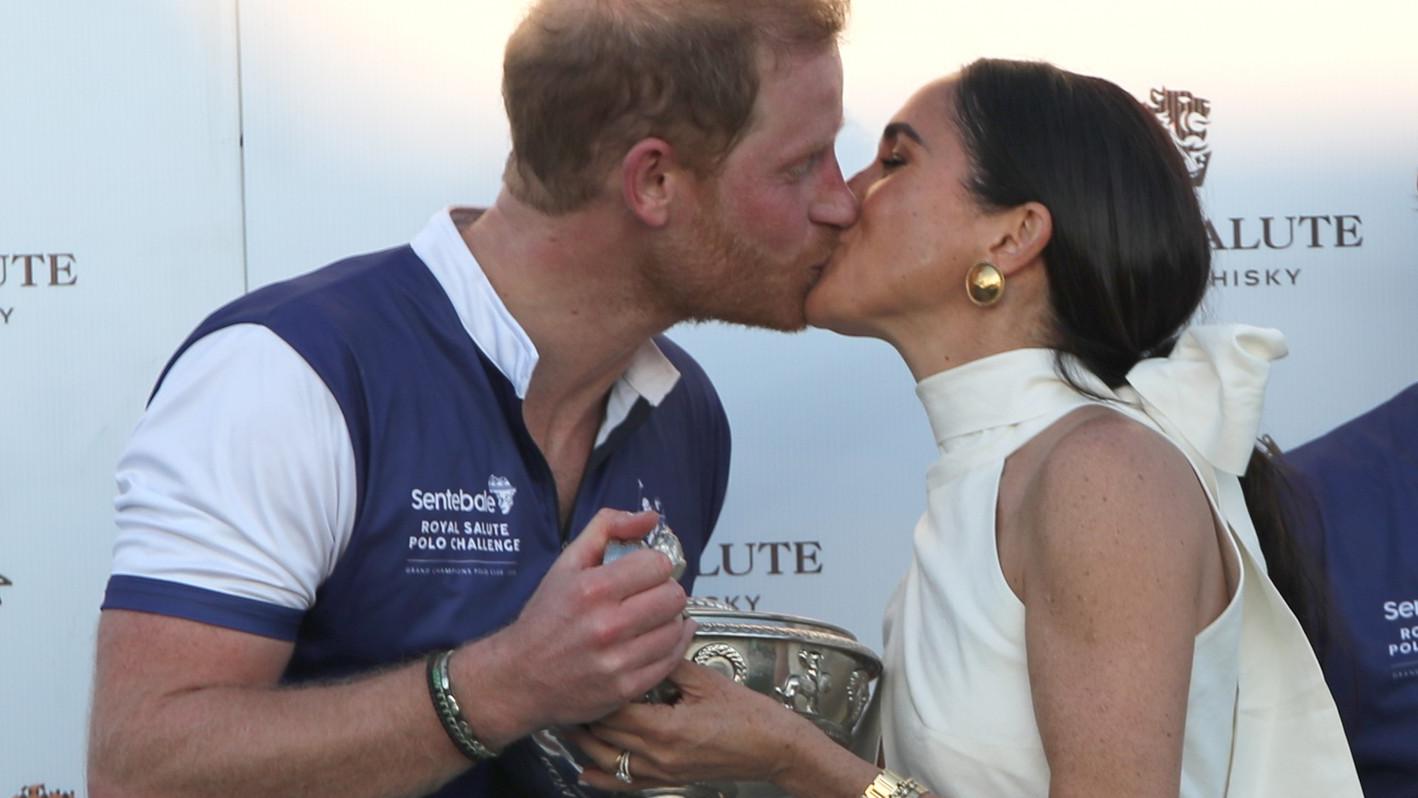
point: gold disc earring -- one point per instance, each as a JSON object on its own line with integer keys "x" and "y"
{"x": 984, "y": 284}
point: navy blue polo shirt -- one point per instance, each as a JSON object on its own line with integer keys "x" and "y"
{"x": 455, "y": 517}
{"x": 1364, "y": 476}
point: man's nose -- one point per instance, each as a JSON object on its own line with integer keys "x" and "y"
{"x": 836, "y": 205}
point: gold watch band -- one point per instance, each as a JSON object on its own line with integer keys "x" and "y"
{"x": 889, "y": 785}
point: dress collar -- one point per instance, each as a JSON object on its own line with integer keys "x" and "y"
{"x": 1209, "y": 392}
{"x": 994, "y": 391}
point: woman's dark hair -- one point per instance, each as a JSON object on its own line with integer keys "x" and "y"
{"x": 1129, "y": 261}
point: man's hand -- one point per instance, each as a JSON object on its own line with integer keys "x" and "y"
{"x": 591, "y": 638}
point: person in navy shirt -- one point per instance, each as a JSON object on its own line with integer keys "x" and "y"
{"x": 362, "y": 522}
{"x": 1363, "y": 475}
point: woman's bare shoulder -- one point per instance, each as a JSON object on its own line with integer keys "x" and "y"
{"x": 1099, "y": 487}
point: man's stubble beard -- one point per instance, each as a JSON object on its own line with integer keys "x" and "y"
{"x": 714, "y": 274}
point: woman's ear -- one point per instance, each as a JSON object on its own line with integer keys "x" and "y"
{"x": 649, "y": 177}
{"x": 1027, "y": 231}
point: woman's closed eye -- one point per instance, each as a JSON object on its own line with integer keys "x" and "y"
{"x": 892, "y": 160}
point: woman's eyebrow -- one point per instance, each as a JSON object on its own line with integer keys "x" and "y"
{"x": 897, "y": 129}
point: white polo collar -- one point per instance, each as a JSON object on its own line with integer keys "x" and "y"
{"x": 651, "y": 376}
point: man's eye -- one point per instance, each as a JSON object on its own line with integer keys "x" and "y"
{"x": 892, "y": 161}
{"x": 803, "y": 168}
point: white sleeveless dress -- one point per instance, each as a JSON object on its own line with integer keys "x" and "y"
{"x": 957, "y": 710}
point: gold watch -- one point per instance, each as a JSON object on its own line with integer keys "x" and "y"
{"x": 889, "y": 785}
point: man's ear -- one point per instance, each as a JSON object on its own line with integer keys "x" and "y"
{"x": 1026, "y": 231}
{"x": 650, "y": 176}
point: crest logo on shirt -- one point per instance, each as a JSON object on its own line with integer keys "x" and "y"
{"x": 1187, "y": 115}
{"x": 648, "y": 503}
{"x": 501, "y": 489}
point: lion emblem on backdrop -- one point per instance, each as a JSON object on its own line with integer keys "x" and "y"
{"x": 1188, "y": 117}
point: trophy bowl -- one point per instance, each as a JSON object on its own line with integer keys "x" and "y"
{"x": 815, "y": 669}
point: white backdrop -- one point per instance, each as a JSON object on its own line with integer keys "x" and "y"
{"x": 128, "y": 182}
{"x": 118, "y": 155}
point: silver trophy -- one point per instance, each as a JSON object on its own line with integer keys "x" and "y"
{"x": 815, "y": 669}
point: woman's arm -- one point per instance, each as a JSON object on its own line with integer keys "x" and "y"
{"x": 720, "y": 731}
{"x": 1119, "y": 568}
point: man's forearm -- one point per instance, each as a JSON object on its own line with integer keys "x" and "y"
{"x": 374, "y": 736}
{"x": 183, "y": 708}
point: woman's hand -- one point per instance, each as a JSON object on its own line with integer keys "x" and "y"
{"x": 717, "y": 731}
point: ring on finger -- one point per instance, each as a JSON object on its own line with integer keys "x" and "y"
{"x": 622, "y": 767}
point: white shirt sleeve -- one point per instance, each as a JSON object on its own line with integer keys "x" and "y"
{"x": 240, "y": 477}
